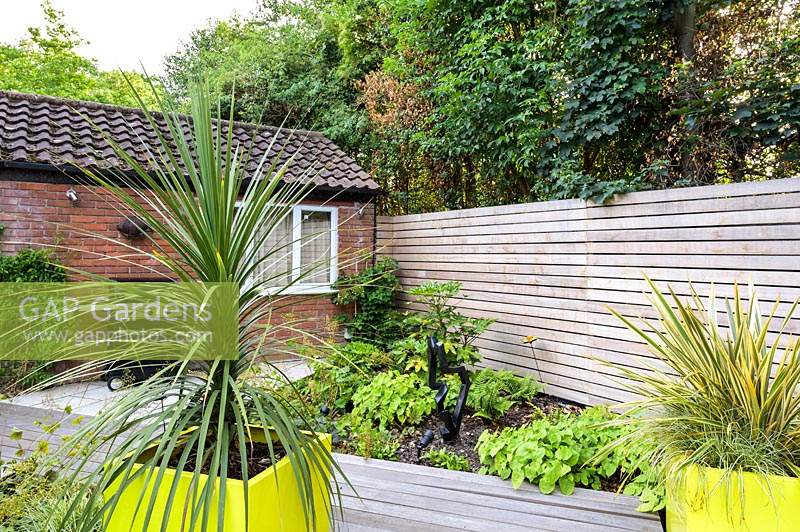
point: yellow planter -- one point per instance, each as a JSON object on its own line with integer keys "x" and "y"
{"x": 696, "y": 503}
{"x": 272, "y": 507}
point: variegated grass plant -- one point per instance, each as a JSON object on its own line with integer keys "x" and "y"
{"x": 729, "y": 398}
{"x": 211, "y": 219}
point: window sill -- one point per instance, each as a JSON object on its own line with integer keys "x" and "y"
{"x": 301, "y": 290}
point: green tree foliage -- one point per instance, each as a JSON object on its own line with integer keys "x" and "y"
{"x": 461, "y": 103}
{"x": 283, "y": 65}
{"x": 47, "y": 62}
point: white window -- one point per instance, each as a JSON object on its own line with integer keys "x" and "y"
{"x": 302, "y": 251}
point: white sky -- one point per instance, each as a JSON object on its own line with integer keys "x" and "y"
{"x": 123, "y": 33}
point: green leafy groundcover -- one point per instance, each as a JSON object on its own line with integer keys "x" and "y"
{"x": 375, "y": 398}
{"x": 446, "y": 460}
{"x": 566, "y": 451}
{"x": 393, "y": 397}
{"x": 34, "y": 502}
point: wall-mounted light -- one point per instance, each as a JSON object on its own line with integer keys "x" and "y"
{"x": 73, "y": 196}
{"x": 133, "y": 227}
{"x": 361, "y": 208}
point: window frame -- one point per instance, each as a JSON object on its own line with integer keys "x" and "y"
{"x": 297, "y": 231}
{"x": 333, "y": 265}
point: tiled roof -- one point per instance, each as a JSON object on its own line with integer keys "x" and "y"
{"x": 53, "y": 131}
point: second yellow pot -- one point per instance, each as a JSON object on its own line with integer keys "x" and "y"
{"x": 701, "y": 501}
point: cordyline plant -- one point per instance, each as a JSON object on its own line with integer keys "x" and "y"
{"x": 213, "y": 219}
{"x": 730, "y": 398}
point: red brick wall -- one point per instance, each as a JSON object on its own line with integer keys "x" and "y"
{"x": 37, "y": 213}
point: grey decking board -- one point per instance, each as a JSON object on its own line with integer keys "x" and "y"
{"x": 502, "y": 504}
{"x": 612, "y": 509}
{"x": 461, "y": 475}
{"x": 433, "y": 519}
{"x": 366, "y": 521}
{"x": 352, "y": 526}
{"x": 480, "y": 484}
{"x": 522, "y": 517}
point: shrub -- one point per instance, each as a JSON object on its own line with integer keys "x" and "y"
{"x": 494, "y": 392}
{"x": 446, "y": 460}
{"x": 456, "y": 331}
{"x": 372, "y": 293}
{"x": 31, "y": 266}
{"x": 393, "y": 397}
{"x": 362, "y": 355}
{"x": 27, "y": 266}
{"x": 18, "y": 375}
{"x": 561, "y": 451}
{"x": 409, "y": 349}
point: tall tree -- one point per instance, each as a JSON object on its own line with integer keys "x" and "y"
{"x": 461, "y": 103}
{"x": 47, "y": 62}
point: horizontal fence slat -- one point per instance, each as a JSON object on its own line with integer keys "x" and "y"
{"x": 553, "y": 269}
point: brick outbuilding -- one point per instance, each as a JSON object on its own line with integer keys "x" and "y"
{"x": 45, "y": 199}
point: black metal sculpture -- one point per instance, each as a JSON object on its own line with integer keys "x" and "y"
{"x": 437, "y": 360}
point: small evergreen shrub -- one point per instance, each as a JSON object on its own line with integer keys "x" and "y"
{"x": 371, "y": 442}
{"x": 31, "y": 266}
{"x": 27, "y": 266}
{"x": 30, "y": 501}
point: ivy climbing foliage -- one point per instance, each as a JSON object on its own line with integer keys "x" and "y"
{"x": 464, "y": 103}
{"x": 611, "y": 83}
{"x": 372, "y": 293}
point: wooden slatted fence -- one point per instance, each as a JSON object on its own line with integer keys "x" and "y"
{"x": 552, "y": 269}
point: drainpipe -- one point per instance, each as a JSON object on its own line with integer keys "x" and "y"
{"x": 374, "y": 233}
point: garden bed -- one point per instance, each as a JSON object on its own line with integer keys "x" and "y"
{"x": 472, "y": 427}
{"x": 373, "y": 393}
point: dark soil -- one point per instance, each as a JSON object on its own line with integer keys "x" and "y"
{"x": 258, "y": 460}
{"x": 473, "y": 426}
